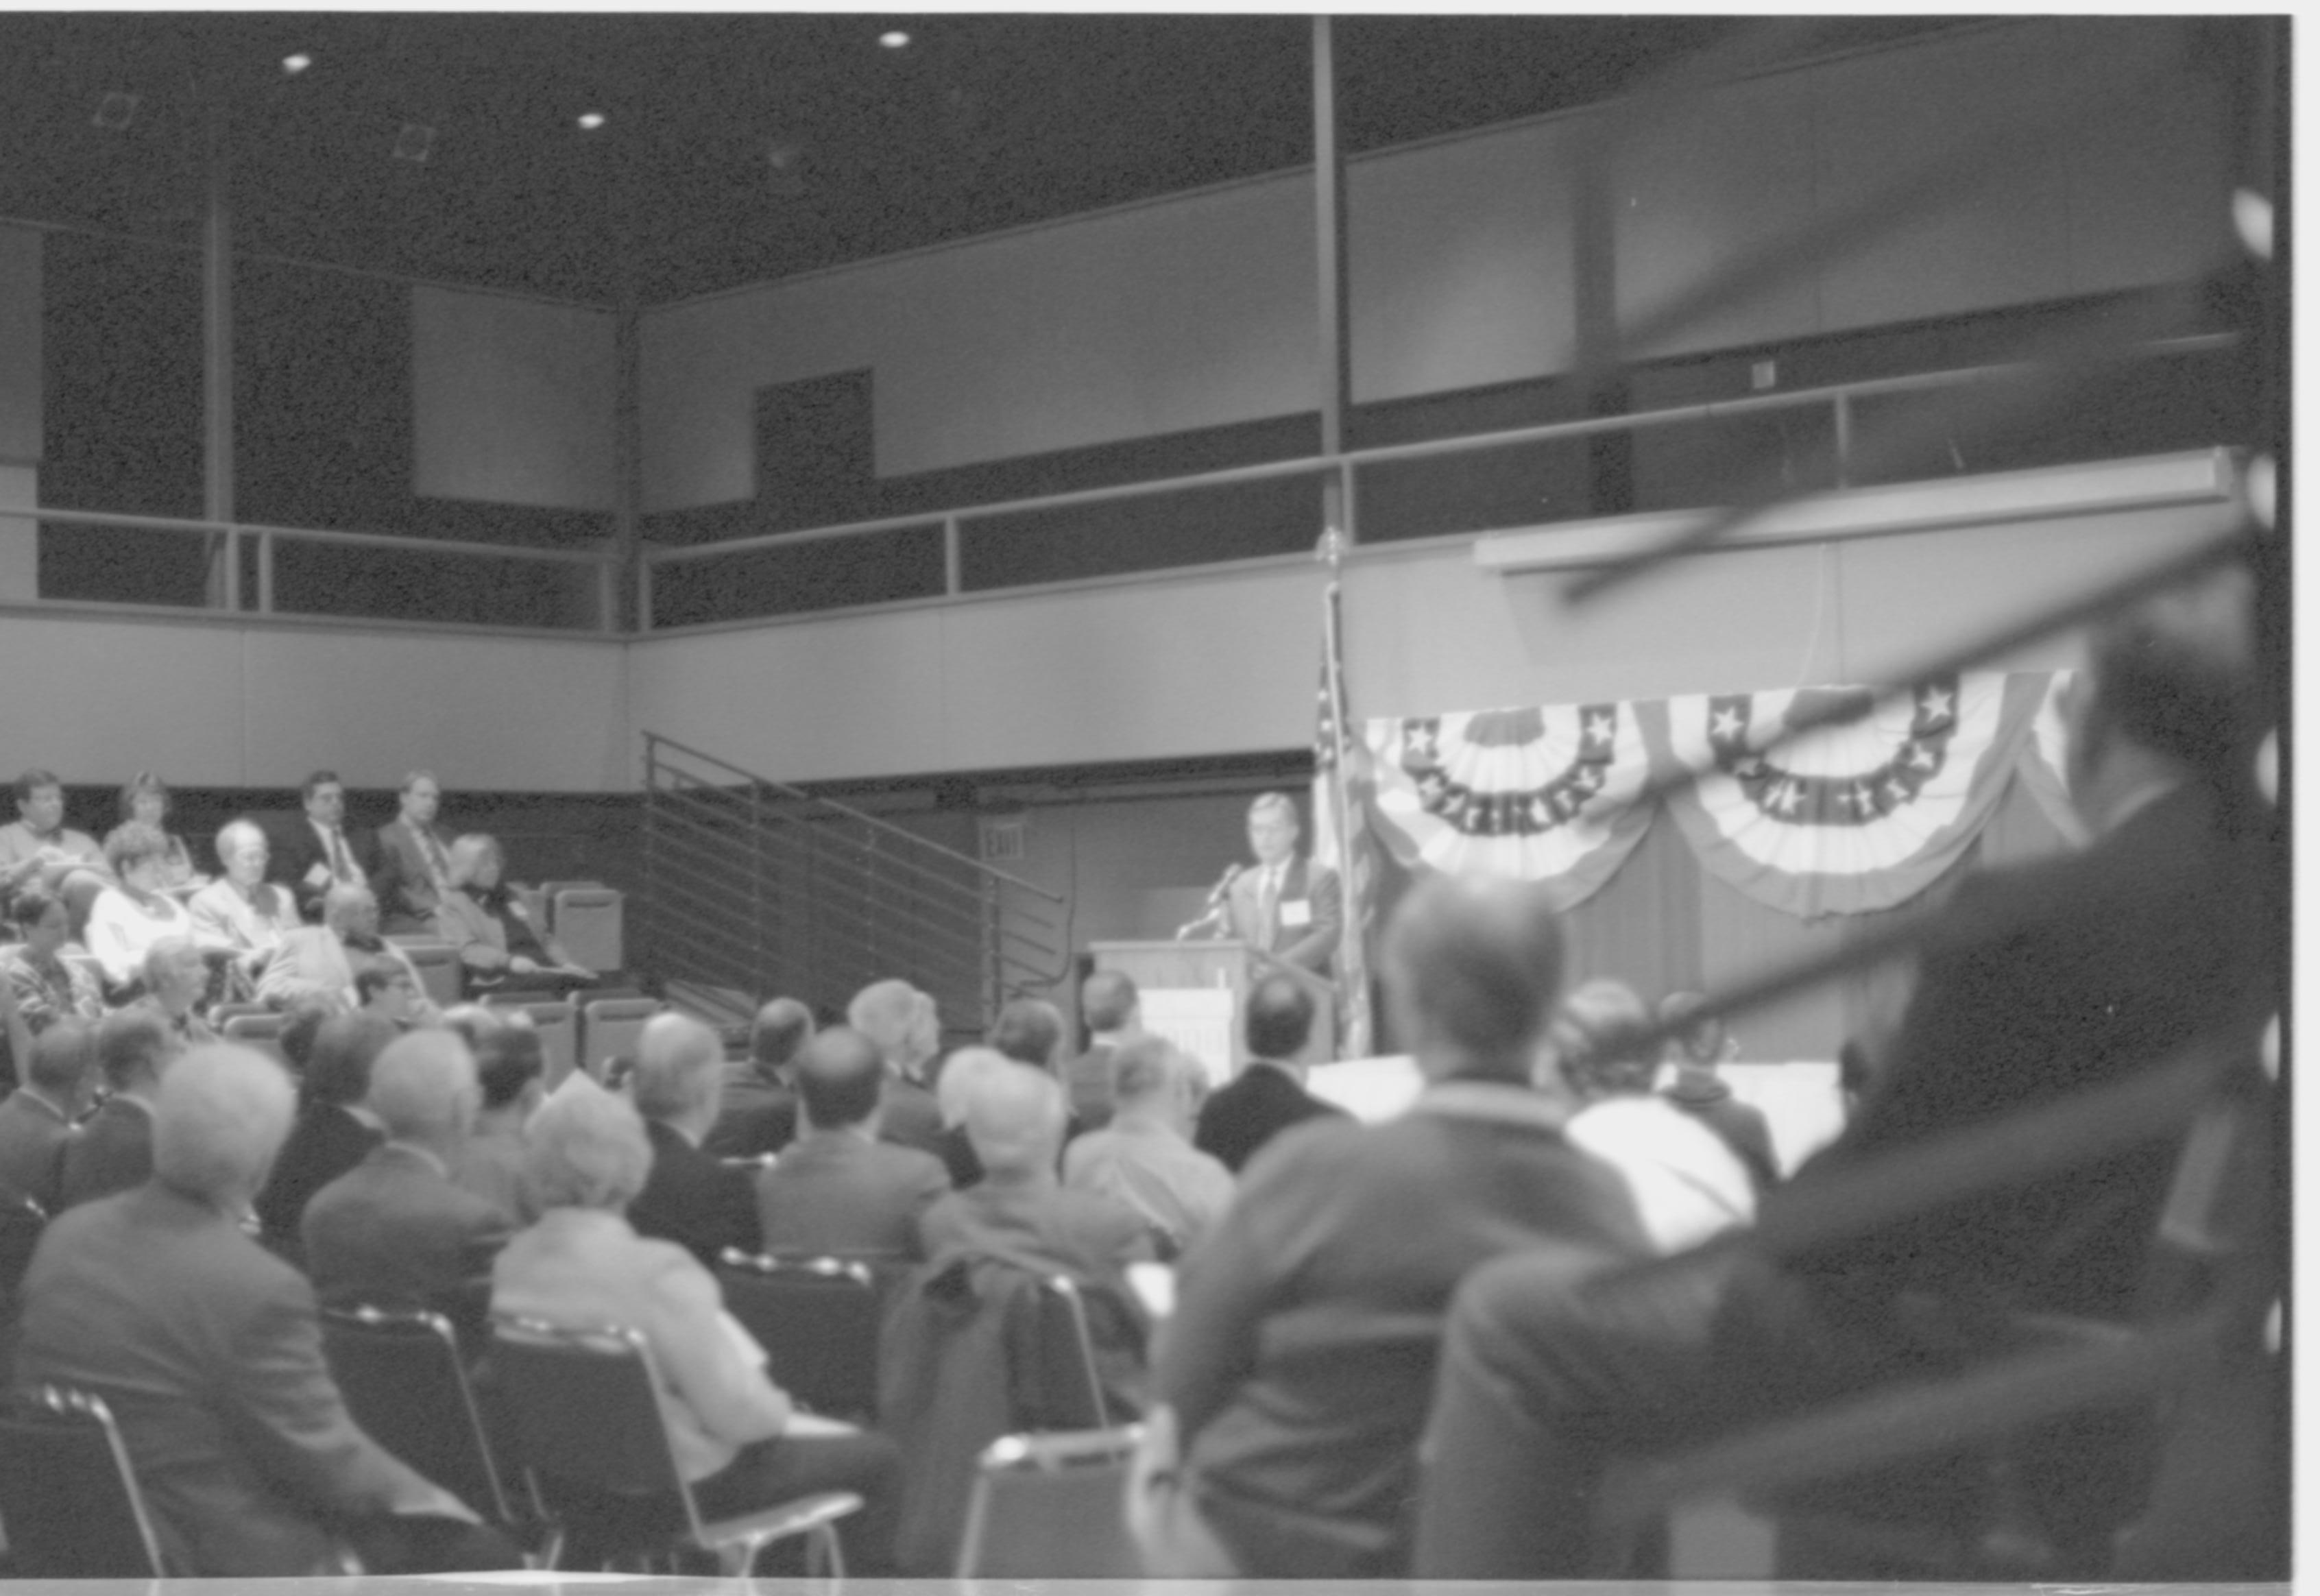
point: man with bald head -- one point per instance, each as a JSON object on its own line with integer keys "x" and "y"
{"x": 1014, "y": 1117}
{"x": 206, "y": 1348}
{"x": 691, "y": 1197}
{"x": 1293, "y": 1381}
{"x": 838, "y": 1188}
{"x": 318, "y": 962}
{"x": 396, "y": 1229}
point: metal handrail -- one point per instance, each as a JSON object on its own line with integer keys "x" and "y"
{"x": 171, "y": 524}
{"x": 1839, "y": 395}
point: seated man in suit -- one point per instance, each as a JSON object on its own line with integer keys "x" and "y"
{"x": 114, "y": 1150}
{"x": 1015, "y": 1119}
{"x": 206, "y": 1348}
{"x": 760, "y": 1115}
{"x": 509, "y": 1071}
{"x": 1145, "y": 1157}
{"x": 901, "y": 1023}
{"x": 37, "y": 848}
{"x": 413, "y": 869}
{"x": 396, "y": 1228}
{"x": 1283, "y": 905}
{"x": 1108, "y": 1008}
{"x": 1268, "y": 1096}
{"x": 838, "y": 1188}
{"x": 36, "y": 1121}
{"x": 176, "y": 978}
{"x": 690, "y": 1198}
{"x": 333, "y": 1131}
{"x": 318, "y": 852}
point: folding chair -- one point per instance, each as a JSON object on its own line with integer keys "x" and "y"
{"x": 586, "y": 1412}
{"x": 262, "y": 1031}
{"x": 818, "y": 1321}
{"x": 404, "y": 1381}
{"x": 22, "y": 1221}
{"x": 441, "y": 976}
{"x": 610, "y": 1027}
{"x": 1069, "y": 1395}
{"x": 1051, "y": 1507}
{"x": 68, "y": 1493}
{"x": 586, "y": 919}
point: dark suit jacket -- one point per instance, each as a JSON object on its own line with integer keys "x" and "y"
{"x": 910, "y": 1116}
{"x": 1256, "y": 1106}
{"x": 760, "y": 1117}
{"x": 1308, "y": 891}
{"x": 1087, "y": 1076}
{"x": 1740, "y": 1127}
{"x": 835, "y": 1191}
{"x": 691, "y": 1199}
{"x": 33, "y": 1139}
{"x": 296, "y": 851}
{"x": 392, "y": 1229}
{"x": 398, "y": 873}
{"x": 112, "y": 1152}
{"x": 206, "y": 1348}
{"x": 324, "y": 1144}
{"x": 2083, "y": 969}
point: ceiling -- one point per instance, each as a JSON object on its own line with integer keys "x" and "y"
{"x": 980, "y": 122}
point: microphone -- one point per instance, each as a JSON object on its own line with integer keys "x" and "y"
{"x": 1207, "y": 916}
{"x": 1224, "y": 884}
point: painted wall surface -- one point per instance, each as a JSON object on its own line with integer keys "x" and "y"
{"x": 513, "y": 400}
{"x": 19, "y": 345}
{"x": 1191, "y": 313}
{"x": 229, "y": 706}
{"x": 1198, "y": 311}
{"x": 1213, "y": 663}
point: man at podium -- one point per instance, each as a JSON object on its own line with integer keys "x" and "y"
{"x": 1282, "y": 904}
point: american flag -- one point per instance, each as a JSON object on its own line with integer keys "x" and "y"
{"x": 1340, "y": 834}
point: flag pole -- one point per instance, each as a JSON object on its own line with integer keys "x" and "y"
{"x": 1352, "y": 966}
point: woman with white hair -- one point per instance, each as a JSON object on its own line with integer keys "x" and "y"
{"x": 500, "y": 948}
{"x": 241, "y": 913}
{"x": 734, "y": 1432}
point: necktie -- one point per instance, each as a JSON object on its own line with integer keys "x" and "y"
{"x": 1268, "y": 900}
{"x": 439, "y": 868}
{"x": 338, "y": 857}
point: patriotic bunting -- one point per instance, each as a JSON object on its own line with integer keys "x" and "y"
{"x": 1547, "y": 793}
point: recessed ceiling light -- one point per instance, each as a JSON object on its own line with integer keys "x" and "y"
{"x": 295, "y": 63}
{"x": 590, "y": 120}
{"x": 894, "y": 39}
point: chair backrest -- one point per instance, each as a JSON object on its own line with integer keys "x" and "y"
{"x": 402, "y": 1376}
{"x": 68, "y": 1494}
{"x": 440, "y": 976}
{"x": 610, "y": 1027}
{"x": 222, "y": 1012}
{"x": 1051, "y": 1507}
{"x": 1068, "y": 1389}
{"x": 22, "y": 1221}
{"x": 587, "y": 919}
{"x": 585, "y": 1409}
{"x": 261, "y": 1031}
{"x": 558, "y": 1025}
{"x": 818, "y": 1321}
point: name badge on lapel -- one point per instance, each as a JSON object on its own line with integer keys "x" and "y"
{"x": 1296, "y": 912}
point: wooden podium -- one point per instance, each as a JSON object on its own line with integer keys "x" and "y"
{"x": 1191, "y": 993}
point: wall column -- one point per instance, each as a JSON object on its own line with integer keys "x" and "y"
{"x": 217, "y": 363}
{"x": 1329, "y": 236}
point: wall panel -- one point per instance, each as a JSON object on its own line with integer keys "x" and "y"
{"x": 511, "y": 399}
{"x": 19, "y": 345}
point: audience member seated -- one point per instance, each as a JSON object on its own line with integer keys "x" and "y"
{"x": 1686, "y": 1183}
{"x": 318, "y": 961}
{"x": 1020, "y": 1210}
{"x": 2071, "y": 973}
{"x": 175, "y": 980}
{"x": 396, "y": 1228}
{"x": 1029, "y": 1032}
{"x": 1145, "y": 1157}
{"x": 137, "y": 911}
{"x": 1268, "y": 1096}
{"x": 733, "y": 1432}
{"x": 300, "y": 1024}
{"x": 1295, "y": 1375}
{"x": 414, "y": 858}
{"x": 36, "y": 1121}
{"x": 838, "y": 1188}
{"x": 901, "y": 1023}
{"x": 329, "y": 1137}
{"x": 508, "y": 1072}
{"x": 760, "y": 1115}
{"x": 207, "y": 1351}
{"x": 317, "y": 853}
{"x": 1108, "y": 1008}
{"x": 145, "y": 801}
{"x": 114, "y": 1149}
{"x": 37, "y": 848}
{"x": 959, "y": 1071}
{"x": 1695, "y": 1051}
{"x": 691, "y": 1198}
{"x": 386, "y": 987}
{"x": 499, "y": 947}
{"x": 241, "y": 913}
{"x": 48, "y": 986}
